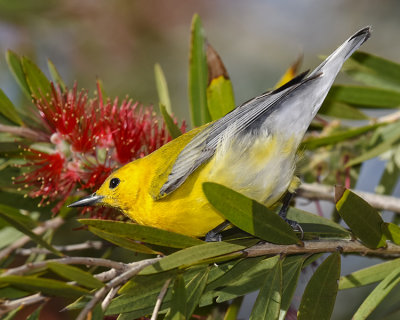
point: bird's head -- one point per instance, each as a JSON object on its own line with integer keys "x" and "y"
{"x": 117, "y": 191}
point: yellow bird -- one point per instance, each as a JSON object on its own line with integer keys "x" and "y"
{"x": 251, "y": 150}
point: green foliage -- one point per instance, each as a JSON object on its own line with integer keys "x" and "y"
{"x": 201, "y": 277}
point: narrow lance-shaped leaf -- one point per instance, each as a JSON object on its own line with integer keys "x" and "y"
{"x": 384, "y": 138}
{"x": 364, "y": 220}
{"x": 249, "y": 215}
{"x": 192, "y": 255}
{"x": 178, "y": 305}
{"x": 377, "y": 295}
{"x": 341, "y": 110}
{"x": 291, "y": 272}
{"x": 320, "y": 294}
{"x": 142, "y": 233}
{"x": 390, "y": 176}
{"x": 38, "y": 83}
{"x": 83, "y": 278}
{"x": 173, "y": 129}
{"x": 392, "y": 232}
{"x": 366, "y": 97}
{"x": 8, "y": 215}
{"x": 368, "y": 275}
{"x": 15, "y": 66}
{"x": 162, "y": 88}
{"x": 46, "y": 286}
{"x": 123, "y": 242}
{"x": 198, "y": 74}
{"x": 268, "y": 301}
{"x": 373, "y": 70}
{"x": 55, "y": 75}
{"x": 220, "y": 99}
{"x": 194, "y": 290}
{"x": 336, "y": 137}
{"x": 8, "y": 109}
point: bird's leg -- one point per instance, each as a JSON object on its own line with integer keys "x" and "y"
{"x": 214, "y": 235}
{"x": 283, "y": 212}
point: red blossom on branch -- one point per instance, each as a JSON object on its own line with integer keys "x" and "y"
{"x": 88, "y": 139}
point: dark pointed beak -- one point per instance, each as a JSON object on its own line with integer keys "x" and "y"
{"x": 87, "y": 201}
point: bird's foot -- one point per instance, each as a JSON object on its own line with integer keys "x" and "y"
{"x": 295, "y": 226}
{"x": 215, "y": 234}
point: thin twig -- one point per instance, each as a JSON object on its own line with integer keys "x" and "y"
{"x": 47, "y": 225}
{"x": 68, "y": 260}
{"x": 160, "y": 299}
{"x": 68, "y": 248}
{"x": 323, "y": 192}
{"x": 110, "y": 295}
{"x": 9, "y": 305}
{"x": 100, "y": 294}
{"x": 319, "y": 246}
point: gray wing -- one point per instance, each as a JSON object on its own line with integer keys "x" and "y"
{"x": 252, "y": 114}
{"x": 202, "y": 147}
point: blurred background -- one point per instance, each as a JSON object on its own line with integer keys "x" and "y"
{"x": 120, "y": 41}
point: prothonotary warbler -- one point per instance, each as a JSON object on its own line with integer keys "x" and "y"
{"x": 252, "y": 150}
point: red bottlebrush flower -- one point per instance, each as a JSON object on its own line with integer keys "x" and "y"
{"x": 89, "y": 139}
{"x": 70, "y": 114}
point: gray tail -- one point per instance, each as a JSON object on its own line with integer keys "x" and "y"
{"x": 346, "y": 49}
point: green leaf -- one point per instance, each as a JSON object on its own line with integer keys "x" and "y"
{"x": 291, "y": 273}
{"x": 198, "y": 75}
{"x": 316, "y": 225}
{"x": 10, "y": 315}
{"x": 38, "y": 84}
{"x": 83, "y": 278}
{"x": 192, "y": 255}
{"x": 384, "y": 139}
{"x": 8, "y": 109}
{"x": 26, "y": 220}
{"x": 341, "y": 110}
{"x": 377, "y": 295}
{"x": 35, "y": 314}
{"x": 173, "y": 129}
{"x": 390, "y": 175}
{"x": 45, "y": 286}
{"x": 15, "y": 66}
{"x": 365, "y": 97}
{"x": 320, "y": 294}
{"x": 336, "y": 137}
{"x": 140, "y": 283}
{"x": 233, "y": 310}
{"x": 55, "y": 75}
{"x": 235, "y": 273}
{"x": 268, "y": 301}
{"x": 368, "y": 275}
{"x": 123, "y": 241}
{"x": 139, "y": 305}
{"x": 142, "y": 233}
{"x": 392, "y": 232}
{"x": 373, "y": 70}
{"x": 12, "y": 219}
{"x": 220, "y": 99}
{"x": 194, "y": 290}
{"x": 178, "y": 305}
{"x": 249, "y": 215}
{"x": 364, "y": 221}
{"x": 249, "y": 281}
{"x": 162, "y": 88}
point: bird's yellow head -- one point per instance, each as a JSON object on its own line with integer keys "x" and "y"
{"x": 119, "y": 190}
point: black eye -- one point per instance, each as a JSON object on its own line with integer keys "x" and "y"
{"x": 114, "y": 182}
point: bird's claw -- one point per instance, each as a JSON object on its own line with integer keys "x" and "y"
{"x": 296, "y": 227}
